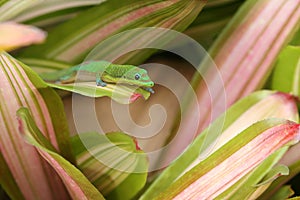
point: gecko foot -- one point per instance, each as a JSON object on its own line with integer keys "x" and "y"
{"x": 100, "y": 83}
{"x": 149, "y": 90}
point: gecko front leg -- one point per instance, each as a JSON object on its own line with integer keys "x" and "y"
{"x": 99, "y": 81}
{"x": 149, "y": 90}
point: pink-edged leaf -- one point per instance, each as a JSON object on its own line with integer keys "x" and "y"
{"x": 70, "y": 43}
{"x": 234, "y": 160}
{"x": 20, "y": 86}
{"x": 244, "y": 54}
{"x": 255, "y": 107}
{"x": 77, "y": 184}
{"x": 14, "y": 35}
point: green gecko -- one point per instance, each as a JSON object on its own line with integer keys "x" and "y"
{"x": 104, "y": 72}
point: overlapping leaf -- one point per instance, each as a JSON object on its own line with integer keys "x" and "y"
{"x": 77, "y": 184}
{"x": 72, "y": 41}
{"x": 256, "y": 107}
{"x": 20, "y": 86}
{"x": 244, "y": 55}
{"x": 112, "y": 162}
{"x": 49, "y": 6}
{"x": 225, "y": 167}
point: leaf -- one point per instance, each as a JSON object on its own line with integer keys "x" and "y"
{"x": 226, "y": 166}
{"x": 296, "y": 39}
{"x": 294, "y": 198}
{"x": 257, "y": 181}
{"x": 241, "y": 115}
{"x": 284, "y": 193}
{"x": 280, "y": 170}
{"x": 294, "y": 169}
{"x": 286, "y": 75}
{"x": 120, "y": 93}
{"x": 19, "y": 87}
{"x": 13, "y": 35}
{"x": 48, "y": 6}
{"x": 243, "y": 56}
{"x": 10, "y": 183}
{"x": 76, "y": 183}
{"x": 211, "y": 21}
{"x": 112, "y": 162}
{"x": 12, "y": 8}
{"x": 78, "y": 36}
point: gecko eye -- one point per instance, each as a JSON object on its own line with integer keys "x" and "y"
{"x": 137, "y": 76}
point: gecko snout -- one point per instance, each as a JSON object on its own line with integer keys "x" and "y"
{"x": 151, "y": 84}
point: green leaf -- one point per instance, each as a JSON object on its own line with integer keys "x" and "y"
{"x": 284, "y": 193}
{"x": 296, "y": 39}
{"x": 24, "y": 88}
{"x": 286, "y": 74}
{"x": 294, "y": 169}
{"x": 279, "y": 170}
{"x": 227, "y": 126}
{"x": 112, "y": 163}
{"x": 44, "y": 65}
{"x": 120, "y": 93}
{"x": 294, "y": 198}
{"x": 73, "y": 40}
{"x": 77, "y": 184}
{"x": 10, "y": 185}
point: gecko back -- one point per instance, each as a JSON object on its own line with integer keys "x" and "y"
{"x": 69, "y": 74}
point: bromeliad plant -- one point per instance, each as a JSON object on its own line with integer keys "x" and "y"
{"x": 237, "y": 156}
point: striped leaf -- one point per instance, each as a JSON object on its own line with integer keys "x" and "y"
{"x": 12, "y": 8}
{"x": 225, "y": 167}
{"x": 257, "y": 106}
{"x": 112, "y": 162}
{"x": 244, "y": 55}
{"x": 23, "y": 173}
{"x": 212, "y": 20}
{"x": 49, "y": 6}
{"x": 77, "y": 184}
{"x": 73, "y": 40}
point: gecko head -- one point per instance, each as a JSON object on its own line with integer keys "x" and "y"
{"x": 137, "y": 76}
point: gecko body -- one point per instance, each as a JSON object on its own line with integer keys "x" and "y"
{"x": 104, "y": 72}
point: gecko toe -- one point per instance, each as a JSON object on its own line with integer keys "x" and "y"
{"x": 100, "y": 83}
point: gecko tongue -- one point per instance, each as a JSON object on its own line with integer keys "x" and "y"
{"x": 134, "y": 97}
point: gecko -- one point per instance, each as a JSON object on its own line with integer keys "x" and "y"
{"x": 104, "y": 72}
